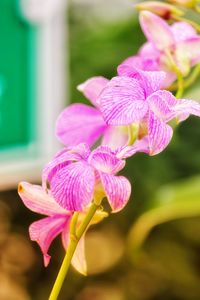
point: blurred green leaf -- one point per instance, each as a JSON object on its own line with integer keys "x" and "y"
{"x": 171, "y": 202}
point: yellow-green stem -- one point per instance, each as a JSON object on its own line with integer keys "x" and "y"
{"x": 179, "y": 75}
{"x": 74, "y": 239}
{"x": 180, "y": 90}
{"x": 188, "y": 81}
{"x": 74, "y": 223}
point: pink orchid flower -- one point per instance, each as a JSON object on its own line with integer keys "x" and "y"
{"x": 57, "y": 222}
{"x": 82, "y": 123}
{"x": 77, "y": 176}
{"x": 126, "y": 101}
{"x": 178, "y": 42}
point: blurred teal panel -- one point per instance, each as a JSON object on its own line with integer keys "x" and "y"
{"x": 17, "y": 61}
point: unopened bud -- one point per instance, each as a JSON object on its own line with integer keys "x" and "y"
{"x": 185, "y": 3}
{"x": 164, "y": 10}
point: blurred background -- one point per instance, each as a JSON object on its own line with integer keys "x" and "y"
{"x": 150, "y": 250}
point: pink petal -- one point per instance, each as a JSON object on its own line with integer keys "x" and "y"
{"x": 65, "y": 236}
{"x": 146, "y": 62}
{"x": 63, "y": 158}
{"x": 133, "y": 61}
{"x": 117, "y": 190}
{"x": 104, "y": 160}
{"x": 82, "y": 151}
{"x": 159, "y": 134}
{"x": 92, "y": 88}
{"x": 149, "y": 52}
{"x": 156, "y": 30}
{"x": 59, "y": 161}
{"x": 182, "y": 31}
{"x": 45, "y": 231}
{"x": 79, "y": 123}
{"x": 115, "y": 136}
{"x": 38, "y": 200}
{"x": 188, "y": 50}
{"x": 152, "y": 81}
{"x": 184, "y": 108}
{"x": 139, "y": 146}
{"x": 162, "y": 103}
{"x": 79, "y": 260}
{"x": 123, "y": 101}
{"x": 73, "y": 186}
{"x": 169, "y": 79}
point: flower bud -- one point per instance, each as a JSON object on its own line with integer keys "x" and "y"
{"x": 185, "y": 3}
{"x": 164, "y": 10}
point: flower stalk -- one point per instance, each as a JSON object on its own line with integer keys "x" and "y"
{"x": 189, "y": 80}
{"x": 74, "y": 239}
{"x": 179, "y": 75}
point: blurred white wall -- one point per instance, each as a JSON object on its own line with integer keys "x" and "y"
{"x": 107, "y": 10}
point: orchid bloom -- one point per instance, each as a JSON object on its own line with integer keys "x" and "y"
{"x": 168, "y": 48}
{"x": 126, "y": 101}
{"x": 82, "y": 123}
{"x": 57, "y": 222}
{"x": 77, "y": 176}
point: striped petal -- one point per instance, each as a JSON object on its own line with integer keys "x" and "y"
{"x": 46, "y": 230}
{"x": 159, "y": 134}
{"x": 115, "y": 137}
{"x": 117, "y": 190}
{"x": 151, "y": 81}
{"x": 123, "y": 101}
{"x": 63, "y": 158}
{"x": 139, "y": 146}
{"x": 184, "y": 108}
{"x": 156, "y": 30}
{"x": 104, "y": 160}
{"x": 73, "y": 186}
{"x": 92, "y": 88}
{"x": 38, "y": 200}
{"x": 162, "y": 103}
{"x": 80, "y": 123}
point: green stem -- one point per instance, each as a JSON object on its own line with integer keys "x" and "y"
{"x": 74, "y": 239}
{"x": 188, "y": 81}
{"x": 179, "y": 75}
{"x": 73, "y": 224}
{"x": 194, "y": 75}
{"x": 180, "y": 90}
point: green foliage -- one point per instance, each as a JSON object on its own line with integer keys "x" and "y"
{"x": 174, "y": 201}
{"x": 96, "y": 49}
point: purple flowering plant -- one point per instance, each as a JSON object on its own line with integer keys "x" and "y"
{"x": 130, "y": 113}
